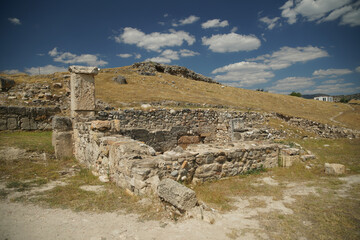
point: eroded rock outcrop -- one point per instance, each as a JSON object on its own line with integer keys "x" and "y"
{"x": 150, "y": 68}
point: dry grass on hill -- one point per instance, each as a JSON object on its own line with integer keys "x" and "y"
{"x": 161, "y": 87}
{"x": 142, "y": 89}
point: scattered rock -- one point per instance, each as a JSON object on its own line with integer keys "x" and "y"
{"x": 305, "y": 158}
{"x": 104, "y": 178}
{"x": 334, "y": 169}
{"x": 150, "y": 69}
{"x": 145, "y": 106}
{"x": 100, "y": 125}
{"x": 6, "y": 84}
{"x": 176, "y": 194}
{"x": 57, "y": 85}
{"x": 120, "y": 79}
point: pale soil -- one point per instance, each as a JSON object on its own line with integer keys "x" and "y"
{"x": 20, "y": 221}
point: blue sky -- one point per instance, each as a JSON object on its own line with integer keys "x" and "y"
{"x": 308, "y": 46}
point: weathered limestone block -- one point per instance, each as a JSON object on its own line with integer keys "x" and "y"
{"x": 100, "y": 125}
{"x": 176, "y": 194}
{"x": 188, "y": 140}
{"x": 82, "y": 90}
{"x": 84, "y": 70}
{"x": 63, "y": 144}
{"x": 60, "y": 123}
{"x": 12, "y": 123}
{"x": 334, "y": 169}
{"x": 289, "y": 156}
{"x": 3, "y": 124}
{"x": 208, "y": 171}
{"x": 28, "y": 124}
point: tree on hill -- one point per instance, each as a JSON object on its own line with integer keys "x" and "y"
{"x": 296, "y": 94}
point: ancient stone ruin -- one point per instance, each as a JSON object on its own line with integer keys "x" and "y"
{"x": 152, "y": 151}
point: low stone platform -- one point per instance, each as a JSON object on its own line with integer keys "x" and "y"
{"x": 137, "y": 167}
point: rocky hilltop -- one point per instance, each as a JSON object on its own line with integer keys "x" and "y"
{"x": 150, "y": 69}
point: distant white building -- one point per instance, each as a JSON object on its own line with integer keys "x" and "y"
{"x": 324, "y": 98}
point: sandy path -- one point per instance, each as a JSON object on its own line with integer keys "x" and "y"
{"x": 32, "y": 222}
{"x": 19, "y": 221}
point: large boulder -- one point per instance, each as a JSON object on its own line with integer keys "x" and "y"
{"x": 6, "y": 84}
{"x": 177, "y": 194}
{"x": 334, "y": 169}
{"x": 120, "y": 79}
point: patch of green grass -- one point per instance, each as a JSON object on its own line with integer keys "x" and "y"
{"x": 39, "y": 141}
{"x": 24, "y": 186}
{"x": 343, "y": 151}
{"x": 28, "y": 169}
{"x": 112, "y": 198}
{"x": 220, "y": 194}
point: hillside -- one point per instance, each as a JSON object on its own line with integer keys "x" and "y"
{"x": 176, "y": 91}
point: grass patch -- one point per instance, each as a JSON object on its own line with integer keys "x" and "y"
{"x": 3, "y": 194}
{"x": 111, "y": 198}
{"x": 29, "y": 169}
{"x": 343, "y": 151}
{"x": 317, "y": 217}
{"x": 32, "y": 141}
{"x": 220, "y": 194}
{"x": 24, "y": 186}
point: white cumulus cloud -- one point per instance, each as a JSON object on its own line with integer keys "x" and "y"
{"x": 189, "y": 20}
{"x": 169, "y": 55}
{"x": 290, "y": 84}
{"x": 336, "y": 14}
{"x": 128, "y": 55}
{"x": 331, "y": 72}
{"x": 231, "y": 42}
{"x": 260, "y": 69}
{"x": 187, "y": 53}
{"x": 11, "y": 71}
{"x": 287, "y": 56}
{"x": 343, "y": 88}
{"x": 243, "y": 74}
{"x": 357, "y": 69}
{"x": 44, "y": 70}
{"x": 158, "y": 60}
{"x": 351, "y": 18}
{"x": 124, "y": 55}
{"x": 322, "y": 11}
{"x": 154, "y": 41}
{"x": 271, "y": 22}
{"x": 15, "y": 21}
{"x": 70, "y": 58}
{"x": 214, "y": 23}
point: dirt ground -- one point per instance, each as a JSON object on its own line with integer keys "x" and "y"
{"x": 27, "y": 221}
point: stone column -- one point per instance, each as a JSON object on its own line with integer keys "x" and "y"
{"x": 62, "y": 137}
{"x": 82, "y": 91}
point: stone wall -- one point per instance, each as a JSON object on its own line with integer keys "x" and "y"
{"x": 137, "y": 167}
{"x": 26, "y": 118}
{"x": 163, "y": 129}
{"x": 320, "y": 129}
{"x": 136, "y": 149}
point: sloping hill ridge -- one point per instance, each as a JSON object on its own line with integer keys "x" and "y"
{"x": 162, "y": 89}
{"x": 151, "y": 68}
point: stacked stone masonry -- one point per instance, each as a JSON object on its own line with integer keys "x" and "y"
{"x": 26, "y": 118}
{"x": 163, "y": 128}
{"x": 136, "y": 166}
{"x": 320, "y": 129}
{"x": 137, "y": 149}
